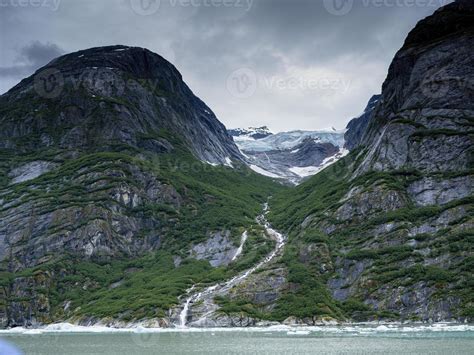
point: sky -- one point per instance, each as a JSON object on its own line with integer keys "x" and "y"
{"x": 286, "y": 64}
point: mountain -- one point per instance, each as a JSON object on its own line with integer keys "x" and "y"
{"x": 110, "y": 96}
{"x": 386, "y": 232}
{"x": 289, "y": 156}
{"x": 118, "y": 188}
{"x": 357, "y": 126}
{"x": 251, "y": 132}
{"x": 123, "y": 202}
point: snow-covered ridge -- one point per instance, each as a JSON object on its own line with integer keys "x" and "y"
{"x": 288, "y": 140}
{"x": 292, "y": 156}
{"x": 250, "y": 133}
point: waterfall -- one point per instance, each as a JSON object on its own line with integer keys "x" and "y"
{"x": 241, "y": 246}
{"x": 184, "y": 313}
{"x": 222, "y": 288}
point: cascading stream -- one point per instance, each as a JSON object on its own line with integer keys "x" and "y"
{"x": 227, "y": 285}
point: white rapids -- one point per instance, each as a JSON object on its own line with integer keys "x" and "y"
{"x": 243, "y": 239}
{"x": 224, "y": 287}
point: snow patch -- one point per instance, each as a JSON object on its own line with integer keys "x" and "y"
{"x": 288, "y": 140}
{"x": 261, "y": 171}
{"x": 305, "y": 171}
{"x": 313, "y": 170}
{"x": 228, "y": 162}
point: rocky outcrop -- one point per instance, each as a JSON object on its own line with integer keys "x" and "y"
{"x": 110, "y": 95}
{"x": 251, "y": 132}
{"x": 397, "y": 217}
{"x": 218, "y": 249}
{"x": 107, "y": 159}
{"x": 422, "y": 125}
{"x": 357, "y": 126}
{"x": 30, "y": 171}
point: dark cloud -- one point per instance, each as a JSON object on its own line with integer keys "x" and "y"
{"x": 31, "y": 57}
{"x": 292, "y": 48}
{"x": 38, "y": 54}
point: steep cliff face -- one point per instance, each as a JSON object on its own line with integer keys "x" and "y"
{"x": 388, "y": 230}
{"x": 110, "y": 95}
{"x": 108, "y": 177}
{"x": 357, "y": 127}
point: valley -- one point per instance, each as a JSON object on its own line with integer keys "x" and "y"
{"x": 125, "y": 202}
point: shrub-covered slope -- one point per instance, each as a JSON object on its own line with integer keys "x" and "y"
{"x": 388, "y": 230}
{"x": 107, "y": 194}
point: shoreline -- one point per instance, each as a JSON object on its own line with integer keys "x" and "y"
{"x": 366, "y": 328}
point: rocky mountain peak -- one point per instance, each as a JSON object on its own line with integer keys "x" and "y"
{"x": 426, "y": 83}
{"x": 138, "y": 62}
{"x": 111, "y": 95}
{"x": 251, "y": 132}
{"x": 452, "y": 19}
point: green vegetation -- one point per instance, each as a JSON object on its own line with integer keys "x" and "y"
{"x": 197, "y": 199}
{"x": 309, "y": 298}
{"x": 240, "y": 307}
{"x": 388, "y": 259}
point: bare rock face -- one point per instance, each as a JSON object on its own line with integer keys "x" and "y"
{"x": 75, "y": 192}
{"x": 108, "y": 228}
{"x": 96, "y": 156}
{"x": 400, "y": 230}
{"x": 218, "y": 249}
{"x": 110, "y": 95}
{"x": 431, "y": 191}
{"x": 422, "y": 128}
{"x": 424, "y": 117}
{"x": 357, "y": 126}
{"x": 30, "y": 171}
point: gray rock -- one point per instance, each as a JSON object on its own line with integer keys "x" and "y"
{"x": 430, "y": 191}
{"x": 30, "y": 171}
{"x": 218, "y": 249}
{"x": 357, "y": 126}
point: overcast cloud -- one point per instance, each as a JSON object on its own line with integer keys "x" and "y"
{"x": 288, "y": 64}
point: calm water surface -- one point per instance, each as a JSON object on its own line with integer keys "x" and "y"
{"x": 247, "y": 342}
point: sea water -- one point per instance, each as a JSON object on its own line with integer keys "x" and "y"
{"x": 356, "y": 339}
